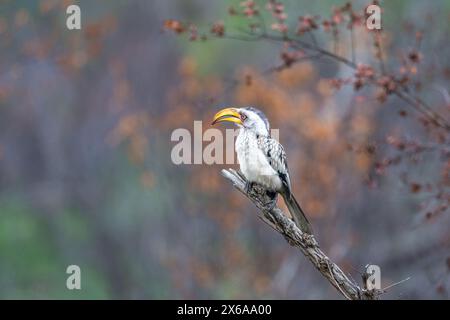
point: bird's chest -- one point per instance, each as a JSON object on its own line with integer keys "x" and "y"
{"x": 253, "y": 163}
{"x": 247, "y": 152}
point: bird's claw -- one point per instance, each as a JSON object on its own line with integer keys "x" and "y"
{"x": 248, "y": 186}
{"x": 270, "y": 205}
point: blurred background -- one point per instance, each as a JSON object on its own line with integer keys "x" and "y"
{"x": 86, "y": 176}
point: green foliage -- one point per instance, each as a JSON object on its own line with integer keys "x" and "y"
{"x": 32, "y": 261}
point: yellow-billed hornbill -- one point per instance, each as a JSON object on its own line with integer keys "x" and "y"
{"x": 262, "y": 159}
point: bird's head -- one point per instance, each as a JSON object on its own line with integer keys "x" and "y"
{"x": 248, "y": 118}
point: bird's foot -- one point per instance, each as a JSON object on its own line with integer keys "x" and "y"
{"x": 268, "y": 206}
{"x": 271, "y": 197}
{"x": 248, "y": 186}
{"x": 271, "y": 194}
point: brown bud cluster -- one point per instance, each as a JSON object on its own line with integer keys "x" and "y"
{"x": 277, "y": 10}
{"x": 218, "y": 29}
{"x": 249, "y": 8}
{"x": 174, "y": 25}
{"x": 306, "y": 24}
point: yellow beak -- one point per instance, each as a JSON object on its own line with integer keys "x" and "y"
{"x": 228, "y": 114}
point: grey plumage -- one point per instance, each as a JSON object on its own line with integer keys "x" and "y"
{"x": 276, "y": 156}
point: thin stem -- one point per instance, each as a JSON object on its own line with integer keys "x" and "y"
{"x": 379, "y": 52}
{"x": 352, "y": 42}
{"x": 414, "y": 102}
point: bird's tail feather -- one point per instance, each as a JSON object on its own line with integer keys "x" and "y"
{"x": 297, "y": 213}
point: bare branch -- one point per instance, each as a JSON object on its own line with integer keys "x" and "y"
{"x": 307, "y": 244}
{"x": 396, "y": 284}
{"x": 317, "y": 51}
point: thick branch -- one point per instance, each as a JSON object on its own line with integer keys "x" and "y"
{"x": 274, "y": 217}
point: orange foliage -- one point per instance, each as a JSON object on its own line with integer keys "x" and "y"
{"x": 46, "y": 6}
{"x": 307, "y": 116}
{"x": 148, "y": 179}
{"x": 300, "y": 105}
{"x": 295, "y": 100}
{"x": 297, "y": 75}
{"x": 131, "y": 128}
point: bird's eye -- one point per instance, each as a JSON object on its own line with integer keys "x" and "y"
{"x": 243, "y": 117}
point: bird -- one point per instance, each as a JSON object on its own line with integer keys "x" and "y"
{"x": 262, "y": 159}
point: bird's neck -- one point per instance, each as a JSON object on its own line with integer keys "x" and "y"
{"x": 244, "y": 132}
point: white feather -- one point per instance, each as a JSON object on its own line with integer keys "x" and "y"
{"x": 254, "y": 163}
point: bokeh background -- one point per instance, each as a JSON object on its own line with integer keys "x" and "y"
{"x": 86, "y": 175}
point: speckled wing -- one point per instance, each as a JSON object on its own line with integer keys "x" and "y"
{"x": 276, "y": 156}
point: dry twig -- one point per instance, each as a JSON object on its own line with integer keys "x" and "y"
{"x": 307, "y": 244}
